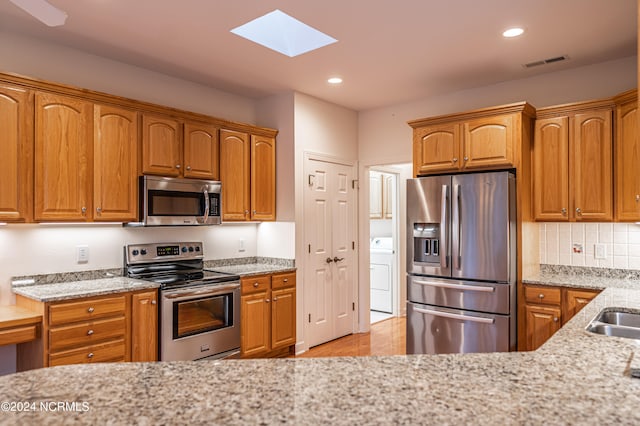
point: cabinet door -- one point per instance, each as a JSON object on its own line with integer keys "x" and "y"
{"x": 542, "y": 322}
{"x": 144, "y": 326}
{"x": 263, "y": 178}
{"x": 62, "y": 153}
{"x": 234, "y": 174}
{"x": 283, "y": 318}
{"x": 16, "y": 154}
{"x": 488, "y": 142}
{"x": 375, "y": 195}
{"x": 161, "y": 152}
{"x": 551, "y": 169}
{"x": 574, "y": 301}
{"x": 255, "y": 324}
{"x": 436, "y": 149}
{"x": 115, "y": 164}
{"x": 627, "y": 159}
{"x": 201, "y": 151}
{"x": 592, "y": 174}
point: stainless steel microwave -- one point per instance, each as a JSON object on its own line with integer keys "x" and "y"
{"x": 175, "y": 202}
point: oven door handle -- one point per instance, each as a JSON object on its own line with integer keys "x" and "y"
{"x": 203, "y": 292}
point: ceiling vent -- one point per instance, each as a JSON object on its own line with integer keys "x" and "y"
{"x": 546, "y": 61}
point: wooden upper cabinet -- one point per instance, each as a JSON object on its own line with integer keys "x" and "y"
{"x": 484, "y": 139}
{"x": 263, "y": 178}
{"x": 115, "y": 164}
{"x": 551, "y": 169}
{"x": 201, "y": 150}
{"x": 375, "y": 195}
{"x": 591, "y": 167}
{"x": 63, "y": 129}
{"x": 627, "y": 160}
{"x": 235, "y": 153}
{"x": 488, "y": 142}
{"x": 436, "y": 148}
{"x": 161, "y": 151}
{"x": 16, "y": 154}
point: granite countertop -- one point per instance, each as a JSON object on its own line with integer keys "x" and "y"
{"x": 575, "y": 378}
{"x": 250, "y": 269}
{"x": 564, "y": 278}
{"x": 84, "y": 288}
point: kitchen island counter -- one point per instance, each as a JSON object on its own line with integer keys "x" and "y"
{"x": 576, "y": 377}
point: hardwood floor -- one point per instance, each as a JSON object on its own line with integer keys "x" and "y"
{"x": 386, "y": 337}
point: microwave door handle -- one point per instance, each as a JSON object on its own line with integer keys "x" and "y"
{"x": 207, "y": 206}
{"x": 444, "y": 224}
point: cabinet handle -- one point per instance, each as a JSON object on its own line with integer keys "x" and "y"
{"x": 90, "y": 355}
{"x": 466, "y": 158}
{"x": 256, "y": 285}
{"x": 541, "y": 296}
{"x": 89, "y": 333}
{"x": 338, "y": 259}
{"x": 455, "y": 160}
{"x": 90, "y": 310}
{"x": 564, "y": 211}
{"x": 188, "y": 167}
{"x": 177, "y": 166}
{"x": 579, "y": 210}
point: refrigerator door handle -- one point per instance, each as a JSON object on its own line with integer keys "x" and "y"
{"x": 444, "y": 224}
{"x": 455, "y": 316}
{"x": 456, "y": 286}
{"x": 457, "y": 223}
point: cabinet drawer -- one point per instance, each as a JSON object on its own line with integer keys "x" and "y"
{"x": 254, "y": 284}
{"x": 15, "y": 335}
{"x": 86, "y": 333}
{"x": 283, "y": 280}
{"x": 542, "y": 295}
{"x": 86, "y": 310}
{"x": 105, "y": 352}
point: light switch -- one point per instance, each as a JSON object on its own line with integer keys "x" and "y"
{"x": 82, "y": 254}
{"x": 600, "y": 251}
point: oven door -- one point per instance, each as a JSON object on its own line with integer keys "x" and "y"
{"x": 171, "y": 201}
{"x": 201, "y": 321}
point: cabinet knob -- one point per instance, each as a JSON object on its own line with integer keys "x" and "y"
{"x": 90, "y": 355}
{"x": 90, "y": 310}
{"x": 275, "y": 299}
{"x": 455, "y": 160}
{"x": 564, "y": 211}
{"x": 256, "y": 285}
{"x": 177, "y": 166}
{"x": 254, "y": 212}
{"x": 246, "y": 212}
{"x": 579, "y": 210}
{"x": 466, "y": 158}
{"x": 541, "y": 296}
{"x": 153, "y": 302}
{"x": 267, "y": 300}
{"x": 99, "y": 210}
{"x": 637, "y": 197}
{"x": 188, "y": 167}
{"x": 83, "y": 210}
{"x": 89, "y": 333}
{"x": 286, "y": 280}
{"x": 555, "y": 319}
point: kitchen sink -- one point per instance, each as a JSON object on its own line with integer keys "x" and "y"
{"x": 613, "y": 322}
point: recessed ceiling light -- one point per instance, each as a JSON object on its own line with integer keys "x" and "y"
{"x": 334, "y": 80}
{"x": 513, "y": 32}
{"x": 284, "y": 34}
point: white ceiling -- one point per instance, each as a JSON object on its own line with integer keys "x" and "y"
{"x": 387, "y": 52}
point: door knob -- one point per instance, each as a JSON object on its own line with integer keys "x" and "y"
{"x": 338, "y": 259}
{"x": 329, "y": 260}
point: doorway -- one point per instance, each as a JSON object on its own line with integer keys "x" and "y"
{"x": 330, "y": 273}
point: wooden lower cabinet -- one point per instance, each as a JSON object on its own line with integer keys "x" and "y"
{"x": 268, "y": 315}
{"x": 113, "y": 328}
{"x": 548, "y": 308}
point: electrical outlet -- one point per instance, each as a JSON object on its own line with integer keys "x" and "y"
{"x": 241, "y": 245}
{"x": 82, "y": 254}
{"x": 600, "y": 251}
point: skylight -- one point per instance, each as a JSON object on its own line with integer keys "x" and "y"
{"x": 284, "y": 34}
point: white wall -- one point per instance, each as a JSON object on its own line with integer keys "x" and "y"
{"x": 56, "y": 63}
{"x": 276, "y": 239}
{"x": 385, "y": 137}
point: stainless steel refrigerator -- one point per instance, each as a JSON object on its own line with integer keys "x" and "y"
{"x": 461, "y": 263}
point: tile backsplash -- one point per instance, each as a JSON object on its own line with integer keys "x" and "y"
{"x": 574, "y": 244}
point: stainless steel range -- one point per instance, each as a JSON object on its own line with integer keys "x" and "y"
{"x": 199, "y": 313}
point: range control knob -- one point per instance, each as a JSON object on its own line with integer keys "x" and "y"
{"x": 197, "y": 248}
{"x": 135, "y": 252}
{"x": 143, "y": 252}
{"x": 184, "y": 249}
{"x": 190, "y": 249}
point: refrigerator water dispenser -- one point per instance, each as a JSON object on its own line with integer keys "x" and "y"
{"x": 426, "y": 242}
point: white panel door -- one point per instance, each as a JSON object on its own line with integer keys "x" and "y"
{"x": 330, "y": 219}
